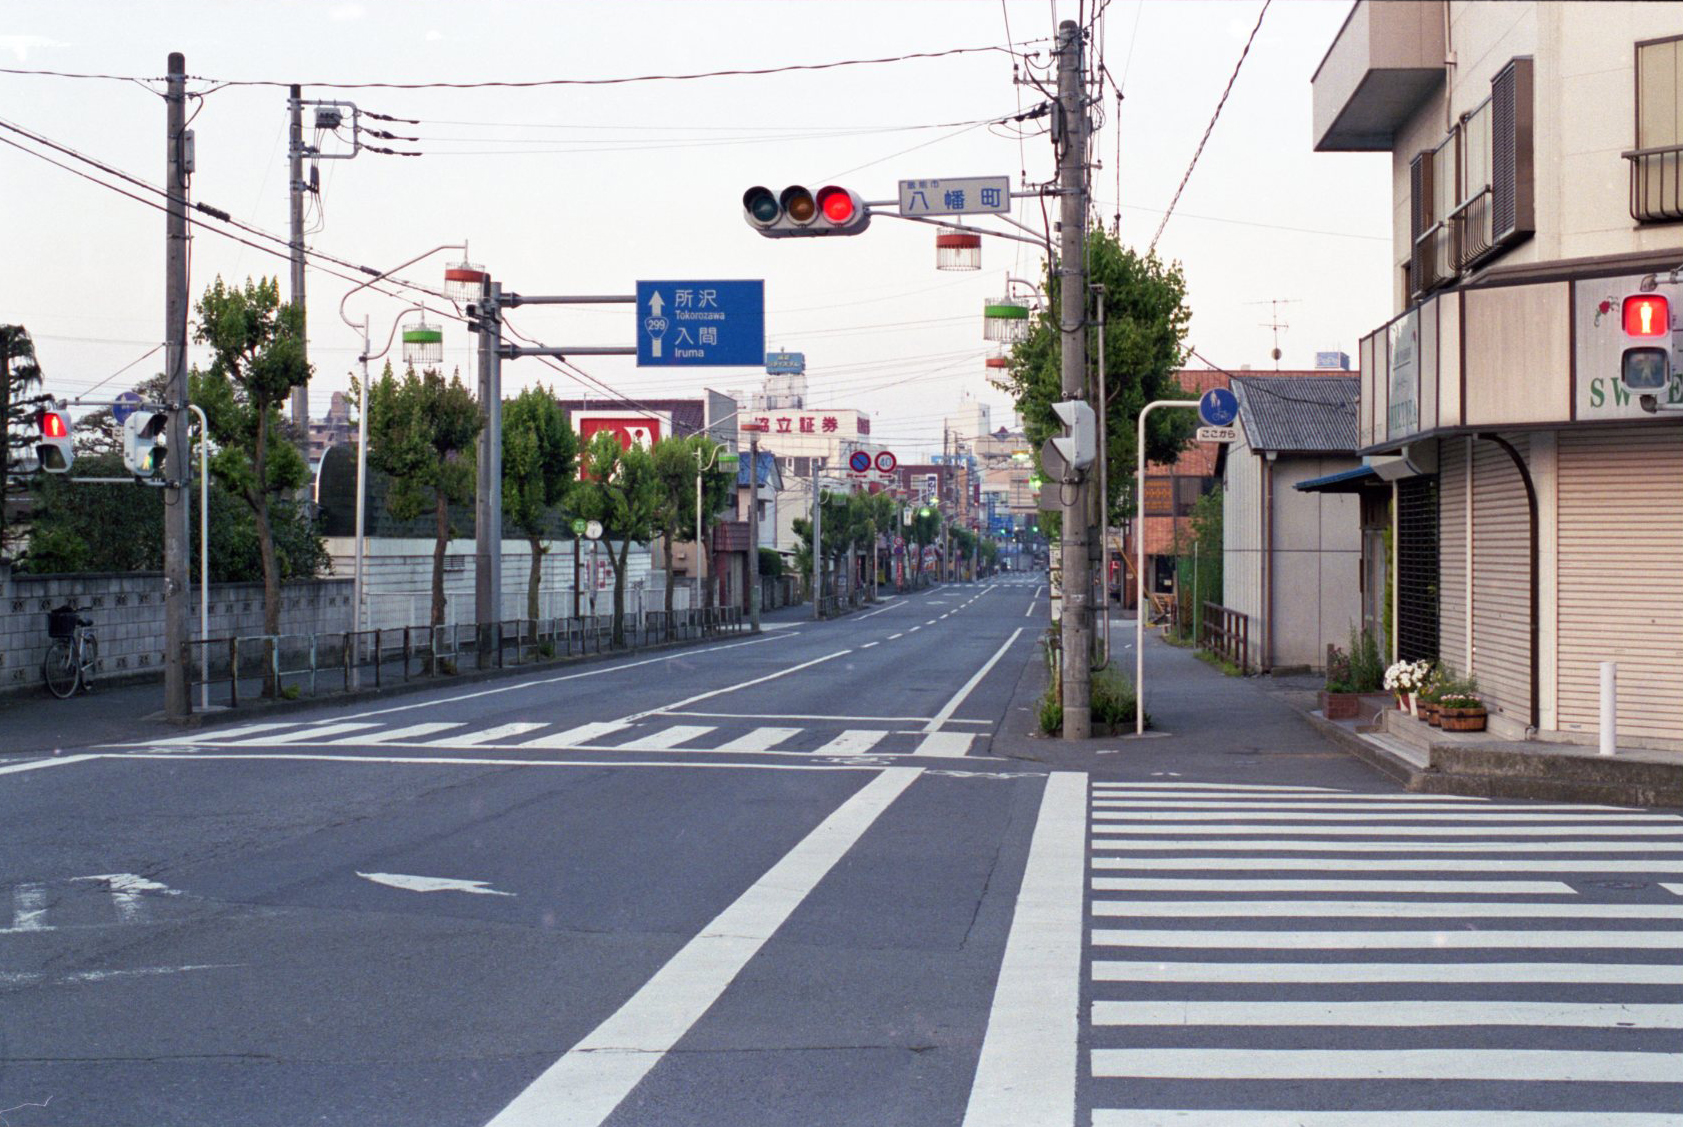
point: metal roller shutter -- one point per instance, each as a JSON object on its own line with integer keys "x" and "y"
{"x": 1417, "y": 568}
{"x": 1621, "y": 578}
{"x": 1452, "y": 552}
{"x": 1502, "y": 582}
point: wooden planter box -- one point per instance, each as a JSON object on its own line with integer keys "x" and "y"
{"x": 1353, "y": 706}
{"x": 1462, "y": 719}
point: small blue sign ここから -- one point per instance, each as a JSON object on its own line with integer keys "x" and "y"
{"x": 126, "y": 404}
{"x": 1218, "y": 407}
{"x": 718, "y": 324}
{"x": 860, "y": 461}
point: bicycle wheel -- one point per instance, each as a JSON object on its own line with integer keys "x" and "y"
{"x": 59, "y": 669}
{"x": 90, "y": 660}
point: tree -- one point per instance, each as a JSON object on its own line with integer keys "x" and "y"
{"x": 621, "y": 490}
{"x": 421, "y": 432}
{"x": 675, "y": 469}
{"x": 20, "y": 374}
{"x": 1146, "y": 319}
{"x": 257, "y": 358}
{"x": 540, "y": 459}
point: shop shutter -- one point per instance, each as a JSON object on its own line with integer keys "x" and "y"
{"x": 1621, "y": 578}
{"x": 1417, "y": 568}
{"x": 1502, "y": 582}
{"x": 1452, "y": 553}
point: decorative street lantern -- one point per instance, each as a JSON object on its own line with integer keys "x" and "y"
{"x": 465, "y": 281}
{"x": 997, "y": 363}
{"x": 958, "y": 250}
{"x": 423, "y": 343}
{"x": 1005, "y": 319}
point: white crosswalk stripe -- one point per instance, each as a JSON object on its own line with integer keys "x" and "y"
{"x": 852, "y": 742}
{"x": 760, "y": 739}
{"x": 1224, "y": 916}
{"x": 676, "y": 736}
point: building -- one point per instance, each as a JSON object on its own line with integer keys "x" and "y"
{"x": 1291, "y": 560}
{"x": 334, "y": 430}
{"x": 1537, "y": 499}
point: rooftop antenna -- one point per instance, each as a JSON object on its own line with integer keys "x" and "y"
{"x": 1274, "y": 321}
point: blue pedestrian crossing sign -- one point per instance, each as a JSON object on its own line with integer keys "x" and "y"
{"x": 1218, "y": 407}
{"x": 717, "y": 324}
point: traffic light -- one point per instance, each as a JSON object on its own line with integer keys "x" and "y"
{"x": 53, "y": 450}
{"x": 1079, "y": 446}
{"x": 1645, "y": 367}
{"x": 798, "y": 212}
{"x": 143, "y": 454}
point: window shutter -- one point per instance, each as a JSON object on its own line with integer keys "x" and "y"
{"x": 1511, "y": 173}
{"x": 1419, "y": 195}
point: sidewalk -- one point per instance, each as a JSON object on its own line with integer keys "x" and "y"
{"x": 1210, "y": 726}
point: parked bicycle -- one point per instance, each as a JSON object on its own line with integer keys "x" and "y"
{"x": 71, "y": 657}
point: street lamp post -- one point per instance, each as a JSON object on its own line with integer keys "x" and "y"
{"x": 753, "y": 430}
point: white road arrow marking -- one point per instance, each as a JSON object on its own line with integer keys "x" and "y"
{"x": 433, "y": 884}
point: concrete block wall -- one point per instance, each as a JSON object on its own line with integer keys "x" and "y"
{"x": 127, "y": 610}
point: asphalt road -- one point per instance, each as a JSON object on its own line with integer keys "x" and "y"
{"x": 813, "y": 878}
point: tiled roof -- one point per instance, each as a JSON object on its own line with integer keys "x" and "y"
{"x": 1298, "y": 413}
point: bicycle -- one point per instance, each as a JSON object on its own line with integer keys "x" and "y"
{"x": 71, "y": 658}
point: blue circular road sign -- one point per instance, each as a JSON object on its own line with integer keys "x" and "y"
{"x": 1218, "y": 407}
{"x": 860, "y": 461}
{"x": 125, "y": 406}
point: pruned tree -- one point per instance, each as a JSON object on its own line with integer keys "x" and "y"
{"x": 621, "y": 490}
{"x": 540, "y": 461}
{"x": 421, "y": 432}
{"x": 675, "y": 469}
{"x": 20, "y": 377}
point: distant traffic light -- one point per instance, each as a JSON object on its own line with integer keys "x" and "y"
{"x": 798, "y": 212}
{"x": 1079, "y": 446}
{"x": 143, "y": 453}
{"x": 53, "y": 450}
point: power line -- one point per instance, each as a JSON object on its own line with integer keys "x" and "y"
{"x": 1210, "y": 128}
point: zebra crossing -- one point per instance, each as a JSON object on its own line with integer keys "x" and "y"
{"x": 1291, "y": 955}
{"x": 898, "y": 737}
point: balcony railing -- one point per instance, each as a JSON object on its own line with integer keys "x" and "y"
{"x": 1433, "y": 261}
{"x": 1474, "y": 227}
{"x": 1656, "y": 184}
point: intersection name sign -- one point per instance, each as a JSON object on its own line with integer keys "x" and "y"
{"x": 968, "y": 195}
{"x": 716, "y": 324}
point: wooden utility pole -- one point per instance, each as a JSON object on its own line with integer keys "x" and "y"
{"x": 178, "y": 702}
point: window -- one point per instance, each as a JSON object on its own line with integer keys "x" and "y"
{"x": 1159, "y": 497}
{"x": 1431, "y": 188}
{"x": 1656, "y": 164}
{"x": 1473, "y": 215}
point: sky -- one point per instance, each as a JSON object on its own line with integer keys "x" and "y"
{"x": 585, "y": 189}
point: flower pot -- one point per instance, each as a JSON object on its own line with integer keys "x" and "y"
{"x": 1462, "y": 719}
{"x": 1431, "y": 713}
{"x": 1414, "y": 704}
{"x": 1341, "y": 706}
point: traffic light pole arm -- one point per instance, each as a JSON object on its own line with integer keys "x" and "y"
{"x": 514, "y": 352}
{"x": 382, "y": 276}
{"x": 514, "y": 300}
{"x": 1140, "y": 599}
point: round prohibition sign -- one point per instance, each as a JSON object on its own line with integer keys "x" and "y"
{"x": 859, "y": 461}
{"x": 886, "y": 462}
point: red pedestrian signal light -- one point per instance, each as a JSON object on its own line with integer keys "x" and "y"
{"x": 53, "y": 448}
{"x": 1647, "y": 315}
{"x": 797, "y": 212}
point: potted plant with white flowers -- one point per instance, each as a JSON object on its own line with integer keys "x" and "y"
{"x": 1406, "y": 679}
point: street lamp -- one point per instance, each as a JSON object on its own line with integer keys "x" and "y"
{"x": 434, "y": 338}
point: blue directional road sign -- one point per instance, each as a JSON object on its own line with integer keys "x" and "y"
{"x": 126, "y": 404}
{"x": 1218, "y": 408}
{"x": 717, "y": 324}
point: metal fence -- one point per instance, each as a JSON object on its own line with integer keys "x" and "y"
{"x": 240, "y": 668}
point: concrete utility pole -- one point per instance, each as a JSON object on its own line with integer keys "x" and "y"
{"x": 753, "y": 528}
{"x": 488, "y": 496}
{"x": 1077, "y": 626}
{"x": 178, "y": 702}
{"x": 817, "y": 541}
{"x": 295, "y": 180}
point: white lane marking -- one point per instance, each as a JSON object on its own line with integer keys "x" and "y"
{"x": 676, "y": 736}
{"x": 37, "y": 764}
{"x": 1399, "y": 864}
{"x": 809, "y": 716}
{"x": 1030, "y": 609}
{"x": 489, "y": 735}
{"x": 1239, "y": 789}
{"x": 585, "y": 1086}
{"x": 317, "y": 734}
{"x": 854, "y": 741}
{"x": 868, "y": 645}
{"x": 874, "y": 613}
{"x": 575, "y": 737}
{"x": 76, "y": 978}
{"x": 1377, "y": 803}
{"x": 1266, "y": 820}
{"x": 1587, "y": 1015}
{"x": 1599, "y": 974}
{"x": 635, "y": 716}
{"x": 1501, "y": 1117}
{"x": 1228, "y": 884}
{"x": 760, "y": 739}
{"x": 951, "y": 706}
{"x": 465, "y": 761}
{"x": 1557, "y": 832}
{"x": 1424, "y": 939}
{"x": 1674, "y": 889}
{"x": 891, "y": 637}
{"x": 1387, "y": 909}
{"x": 29, "y": 907}
{"x": 399, "y": 735}
{"x": 932, "y": 622}
{"x": 1297, "y": 845}
{"x": 914, "y": 630}
{"x": 219, "y": 735}
{"x": 1390, "y": 1064}
{"x": 1026, "y": 1073}
{"x": 945, "y": 743}
{"x": 411, "y": 883}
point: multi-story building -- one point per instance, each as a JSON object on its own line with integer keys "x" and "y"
{"x": 1524, "y": 425}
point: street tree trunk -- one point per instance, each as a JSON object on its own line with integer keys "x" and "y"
{"x": 536, "y": 580}
{"x": 259, "y": 499}
{"x": 668, "y": 553}
{"x": 441, "y": 539}
{"x": 617, "y": 561}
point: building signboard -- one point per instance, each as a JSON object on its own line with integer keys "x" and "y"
{"x": 1402, "y": 416}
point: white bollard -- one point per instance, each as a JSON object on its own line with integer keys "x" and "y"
{"x": 1609, "y": 707}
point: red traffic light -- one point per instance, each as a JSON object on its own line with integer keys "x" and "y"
{"x": 1647, "y": 315}
{"x": 53, "y": 425}
{"x": 837, "y": 204}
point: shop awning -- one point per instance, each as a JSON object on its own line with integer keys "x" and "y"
{"x": 1345, "y": 481}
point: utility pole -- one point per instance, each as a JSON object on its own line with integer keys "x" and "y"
{"x": 753, "y": 527}
{"x": 295, "y": 180}
{"x": 488, "y": 497}
{"x": 178, "y": 702}
{"x": 1077, "y": 626}
{"x": 817, "y": 541}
